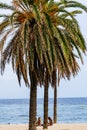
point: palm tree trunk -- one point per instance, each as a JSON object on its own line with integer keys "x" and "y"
{"x": 45, "y": 124}
{"x": 55, "y": 104}
{"x": 33, "y": 104}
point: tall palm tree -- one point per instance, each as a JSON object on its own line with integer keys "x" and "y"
{"x": 54, "y": 84}
{"x": 46, "y": 97}
{"x": 43, "y": 36}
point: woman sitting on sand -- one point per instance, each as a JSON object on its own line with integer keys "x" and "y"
{"x": 50, "y": 122}
{"x": 38, "y": 122}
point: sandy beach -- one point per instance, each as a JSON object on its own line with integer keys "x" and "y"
{"x": 54, "y": 127}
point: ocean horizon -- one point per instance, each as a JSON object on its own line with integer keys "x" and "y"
{"x": 69, "y": 110}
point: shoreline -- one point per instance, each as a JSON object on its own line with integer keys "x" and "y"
{"x": 78, "y": 126}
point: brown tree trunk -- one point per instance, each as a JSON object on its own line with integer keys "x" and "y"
{"x": 45, "y": 124}
{"x": 33, "y": 104}
{"x": 55, "y": 104}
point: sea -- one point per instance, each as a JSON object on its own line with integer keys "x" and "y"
{"x": 69, "y": 110}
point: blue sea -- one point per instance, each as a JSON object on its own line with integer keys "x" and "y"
{"x": 70, "y": 110}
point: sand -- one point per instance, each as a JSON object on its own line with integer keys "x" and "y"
{"x": 54, "y": 127}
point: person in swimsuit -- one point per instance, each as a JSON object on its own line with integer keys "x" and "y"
{"x": 50, "y": 122}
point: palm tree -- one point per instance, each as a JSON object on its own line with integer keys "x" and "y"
{"x": 54, "y": 85}
{"x": 43, "y": 37}
{"x": 55, "y": 104}
{"x": 46, "y": 86}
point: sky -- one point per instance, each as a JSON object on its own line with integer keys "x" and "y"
{"x": 76, "y": 87}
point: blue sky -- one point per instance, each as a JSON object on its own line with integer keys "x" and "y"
{"x": 76, "y": 87}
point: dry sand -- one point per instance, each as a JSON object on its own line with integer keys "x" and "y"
{"x": 54, "y": 127}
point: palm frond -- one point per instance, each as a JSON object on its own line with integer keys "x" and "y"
{"x": 77, "y": 5}
{"x": 6, "y": 6}
{"x": 2, "y": 41}
{"x": 4, "y": 25}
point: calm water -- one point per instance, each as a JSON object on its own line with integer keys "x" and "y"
{"x": 70, "y": 110}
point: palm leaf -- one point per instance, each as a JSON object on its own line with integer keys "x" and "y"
{"x": 6, "y": 6}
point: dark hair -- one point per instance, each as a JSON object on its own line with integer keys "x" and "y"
{"x": 49, "y": 118}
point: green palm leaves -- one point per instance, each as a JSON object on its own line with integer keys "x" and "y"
{"x": 45, "y": 36}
